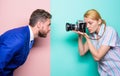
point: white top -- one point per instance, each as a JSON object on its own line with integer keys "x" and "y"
{"x": 31, "y": 34}
{"x": 109, "y": 65}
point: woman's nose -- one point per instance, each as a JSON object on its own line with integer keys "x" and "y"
{"x": 88, "y": 25}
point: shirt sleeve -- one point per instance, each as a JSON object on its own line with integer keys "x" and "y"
{"x": 111, "y": 38}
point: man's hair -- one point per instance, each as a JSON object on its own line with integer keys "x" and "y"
{"x": 39, "y": 15}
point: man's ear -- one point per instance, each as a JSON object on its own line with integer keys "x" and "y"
{"x": 39, "y": 24}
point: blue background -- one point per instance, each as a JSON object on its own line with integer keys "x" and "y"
{"x": 65, "y": 58}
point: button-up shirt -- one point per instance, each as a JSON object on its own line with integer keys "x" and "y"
{"x": 109, "y": 65}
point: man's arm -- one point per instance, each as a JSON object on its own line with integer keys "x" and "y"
{"x": 9, "y": 45}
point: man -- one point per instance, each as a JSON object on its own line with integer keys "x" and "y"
{"x": 15, "y": 44}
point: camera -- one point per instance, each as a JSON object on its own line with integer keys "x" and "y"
{"x": 79, "y": 26}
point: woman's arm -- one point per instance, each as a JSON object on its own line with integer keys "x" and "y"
{"x": 97, "y": 54}
{"x": 83, "y": 48}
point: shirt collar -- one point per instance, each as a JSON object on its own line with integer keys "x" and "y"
{"x": 100, "y": 33}
{"x": 31, "y": 34}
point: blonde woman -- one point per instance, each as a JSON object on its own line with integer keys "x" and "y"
{"x": 103, "y": 43}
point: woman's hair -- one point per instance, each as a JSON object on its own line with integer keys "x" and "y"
{"x": 94, "y": 15}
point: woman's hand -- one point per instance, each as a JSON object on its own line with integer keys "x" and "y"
{"x": 83, "y": 47}
{"x": 85, "y": 35}
{"x": 82, "y": 34}
{"x": 78, "y": 32}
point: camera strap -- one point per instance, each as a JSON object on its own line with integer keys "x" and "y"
{"x": 97, "y": 36}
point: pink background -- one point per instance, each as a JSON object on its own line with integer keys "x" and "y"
{"x": 15, "y": 13}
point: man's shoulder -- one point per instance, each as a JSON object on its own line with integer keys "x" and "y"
{"x": 17, "y": 32}
{"x": 22, "y": 28}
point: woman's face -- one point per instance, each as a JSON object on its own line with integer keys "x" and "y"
{"x": 92, "y": 25}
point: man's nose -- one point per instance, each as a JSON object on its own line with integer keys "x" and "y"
{"x": 49, "y": 29}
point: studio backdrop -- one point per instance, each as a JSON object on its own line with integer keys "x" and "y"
{"x": 65, "y": 59}
{"x": 57, "y": 55}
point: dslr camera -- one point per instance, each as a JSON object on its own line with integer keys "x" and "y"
{"x": 79, "y": 26}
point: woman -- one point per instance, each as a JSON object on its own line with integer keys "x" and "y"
{"x": 103, "y": 43}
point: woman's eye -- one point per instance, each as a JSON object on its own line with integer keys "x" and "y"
{"x": 90, "y": 23}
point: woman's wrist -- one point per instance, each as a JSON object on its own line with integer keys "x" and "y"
{"x": 80, "y": 36}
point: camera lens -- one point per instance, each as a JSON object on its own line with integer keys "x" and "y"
{"x": 70, "y": 27}
{"x": 67, "y": 27}
{"x": 79, "y": 26}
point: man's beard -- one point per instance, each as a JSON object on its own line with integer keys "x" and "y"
{"x": 42, "y": 34}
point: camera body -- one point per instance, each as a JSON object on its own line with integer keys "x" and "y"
{"x": 79, "y": 26}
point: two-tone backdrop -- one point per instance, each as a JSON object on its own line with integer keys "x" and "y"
{"x": 57, "y": 55}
